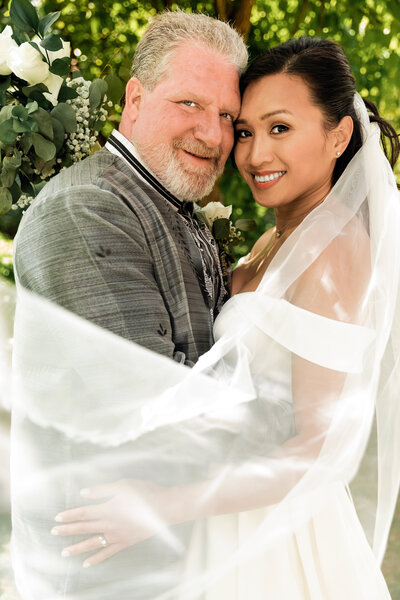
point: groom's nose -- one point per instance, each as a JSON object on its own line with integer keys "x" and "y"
{"x": 208, "y": 128}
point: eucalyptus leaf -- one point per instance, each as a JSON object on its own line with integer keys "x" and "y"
{"x": 21, "y": 126}
{"x": 5, "y": 81}
{"x": 66, "y": 115}
{"x": 66, "y": 93}
{"x": 28, "y": 90}
{"x": 47, "y": 22}
{"x": 19, "y": 112}
{"x": 52, "y": 42}
{"x": 32, "y": 106}
{"x": 8, "y": 176}
{"x": 5, "y": 200}
{"x": 37, "y": 187}
{"x": 97, "y": 90}
{"x": 116, "y": 88}
{"x": 15, "y": 191}
{"x": 26, "y": 186}
{"x": 26, "y": 143}
{"x": 44, "y": 122}
{"x": 58, "y": 134}
{"x": 61, "y": 66}
{"x": 45, "y": 149}
{"x": 34, "y": 45}
{"x": 41, "y": 100}
{"x": 7, "y": 133}
{"x": 6, "y": 113}
{"x": 24, "y": 15}
{"x": 12, "y": 162}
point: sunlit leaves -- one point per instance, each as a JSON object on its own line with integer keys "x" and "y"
{"x": 24, "y": 16}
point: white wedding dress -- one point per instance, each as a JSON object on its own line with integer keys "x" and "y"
{"x": 296, "y": 401}
{"x": 327, "y": 556}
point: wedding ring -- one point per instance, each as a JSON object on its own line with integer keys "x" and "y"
{"x": 102, "y": 540}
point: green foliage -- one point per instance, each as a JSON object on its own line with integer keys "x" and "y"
{"x": 6, "y": 266}
{"x": 104, "y": 36}
{"x": 39, "y": 129}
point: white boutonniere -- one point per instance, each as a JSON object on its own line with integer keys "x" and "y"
{"x": 217, "y": 218}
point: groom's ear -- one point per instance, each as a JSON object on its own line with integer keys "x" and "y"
{"x": 133, "y": 98}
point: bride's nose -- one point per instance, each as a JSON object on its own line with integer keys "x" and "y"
{"x": 260, "y": 152}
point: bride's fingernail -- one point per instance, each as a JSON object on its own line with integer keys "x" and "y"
{"x": 54, "y": 531}
{"x": 65, "y": 553}
{"x": 58, "y": 518}
{"x": 86, "y": 564}
{"x": 85, "y": 492}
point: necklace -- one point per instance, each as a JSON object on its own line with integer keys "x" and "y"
{"x": 273, "y": 241}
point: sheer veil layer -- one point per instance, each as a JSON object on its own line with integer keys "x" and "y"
{"x": 295, "y": 404}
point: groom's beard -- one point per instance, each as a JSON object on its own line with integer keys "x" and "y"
{"x": 184, "y": 180}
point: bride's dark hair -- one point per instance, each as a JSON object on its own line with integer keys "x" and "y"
{"x": 323, "y": 65}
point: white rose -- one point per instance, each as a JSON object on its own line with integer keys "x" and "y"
{"x": 64, "y": 51}
{"x": 6, "y": 43}
{"x": 53, "y": 84}
{"x": 213, "y": 211}
{"x": 27, "y": 63}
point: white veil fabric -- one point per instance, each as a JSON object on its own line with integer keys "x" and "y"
{"x": 296, "y": 402}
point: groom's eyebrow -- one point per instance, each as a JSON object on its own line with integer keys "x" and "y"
{"x": 280, "y": 111}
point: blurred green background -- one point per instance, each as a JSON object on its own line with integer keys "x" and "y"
{"x": 103, "y": 36}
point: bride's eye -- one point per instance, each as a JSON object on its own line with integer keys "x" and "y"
{"x": 279, "y": 129}
{"x": 242, "y": 133}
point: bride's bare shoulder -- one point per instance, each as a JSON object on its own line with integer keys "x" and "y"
{"x": 336, "y": 281}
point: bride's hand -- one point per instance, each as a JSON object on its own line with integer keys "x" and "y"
{"x": 135, "y": 511}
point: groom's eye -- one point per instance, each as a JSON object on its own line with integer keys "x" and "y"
{"x": 227, "y": 116}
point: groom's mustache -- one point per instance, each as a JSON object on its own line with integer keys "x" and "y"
{"x": 197, "y": 148}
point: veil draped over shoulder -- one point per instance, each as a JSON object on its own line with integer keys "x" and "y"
{"x": 293, "y": 411}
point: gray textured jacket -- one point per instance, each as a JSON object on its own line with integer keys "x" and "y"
{"x": 103, "y": 244}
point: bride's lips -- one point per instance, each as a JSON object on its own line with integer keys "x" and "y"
{"x": 267, "y": 179}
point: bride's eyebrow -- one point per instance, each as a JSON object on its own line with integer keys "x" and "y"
{"x": 280, "y": 111}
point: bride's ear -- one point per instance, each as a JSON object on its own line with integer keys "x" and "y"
{"x": 341, "y": 135}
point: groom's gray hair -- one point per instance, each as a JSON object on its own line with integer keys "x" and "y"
{"x": 170, "y": 29}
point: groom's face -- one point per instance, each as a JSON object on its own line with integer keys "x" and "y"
{"x": 183, "y": 128}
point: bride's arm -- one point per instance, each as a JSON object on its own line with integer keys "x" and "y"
{"x": 137, "y": 510}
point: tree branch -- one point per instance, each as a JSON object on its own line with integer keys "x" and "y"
{"x": 221, "y": 9}
{"x": 300, "y": 16}
{"x": 321, "y": 17}
{"x": 241, "y": 16}
{"x": 237, "y": 12}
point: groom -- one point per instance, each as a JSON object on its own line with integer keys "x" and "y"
{"x": 114, "y": 240}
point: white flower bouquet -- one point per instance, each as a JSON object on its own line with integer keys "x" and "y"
{"x": 48, "y": 118}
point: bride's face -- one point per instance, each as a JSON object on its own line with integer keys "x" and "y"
{"x": 283, "y": 150}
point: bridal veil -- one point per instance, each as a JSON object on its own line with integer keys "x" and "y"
{"x": 296, "y": 398}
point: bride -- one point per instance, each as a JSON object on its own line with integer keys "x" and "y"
{"x": 249, "y": 456}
